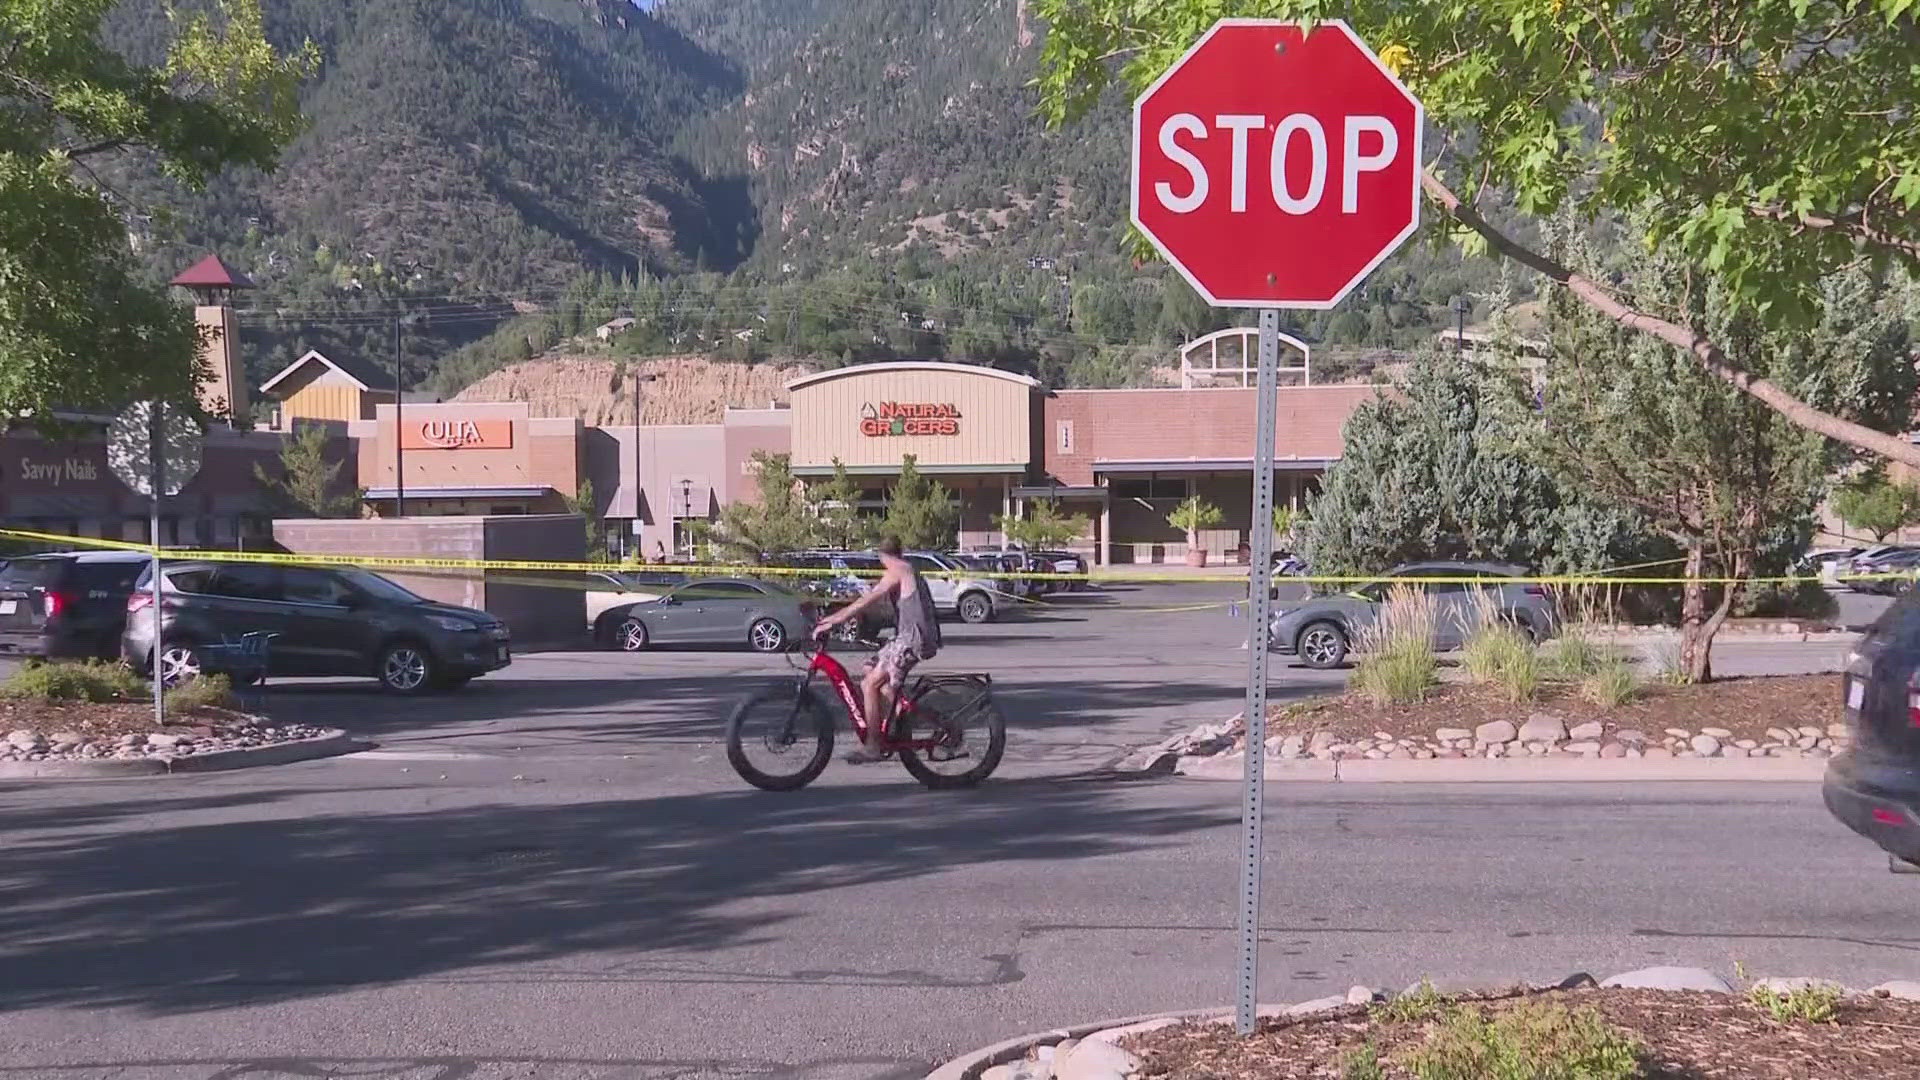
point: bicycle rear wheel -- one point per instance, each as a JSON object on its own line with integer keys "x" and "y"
{"x": 968, "y": 731}
{"x": 789, "y": 732}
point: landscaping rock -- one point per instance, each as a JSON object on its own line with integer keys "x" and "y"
{"x": 1680, "y": 733}
{"x": 1094, "y": 1059}
{"x": 1670, "y": 978}
{"x": 1321, "y": 740}
{"x": 1316, "y": 1005}
{"x": 1734, "y": 751}
{"x": 1705, "y": 745}
{"x": 1904, "y": 989}
{"x": 1810, "y": 730}
{"x": 1495, "y": 731}
{"x": 1781, "y": 734}
{"x": 1717, "y": 732}
{"x": 25, "y": 741}
{"x": 1613, "y": 750}
{"x": 1541, "y": 728}
{"x": 1450, "y": 734}
{"x": 1360, "y": 995}
{"x": 1630, "y": 735}
{"x": 1586, "y": 749}
{"x": 1657, "y": 752}
{"x": 1838, "y": 731}
{"x": 1592, "y": 729}
{"x": 164, "y": 741}
{"x": 1746, "y": 744}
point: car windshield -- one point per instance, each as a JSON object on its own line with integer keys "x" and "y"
{"x": 378, "y": 587}
{"x": 31, "y": 573}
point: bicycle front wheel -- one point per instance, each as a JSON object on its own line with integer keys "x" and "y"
{"x": 780, "y": 740}
{"x": 965, "y": 730}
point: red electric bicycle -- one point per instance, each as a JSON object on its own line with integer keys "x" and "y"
{"x": 946, "y": 729}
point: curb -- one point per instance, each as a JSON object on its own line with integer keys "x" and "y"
{"x": 1514, "y": 770}
{"x": 331, "y": 744}
{"x": 970, "y": 1065}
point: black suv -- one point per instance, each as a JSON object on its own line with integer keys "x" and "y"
{"x": 326, "y": 621}
{"x": 1874, "y": 788}
{"x": 67, "y": 606}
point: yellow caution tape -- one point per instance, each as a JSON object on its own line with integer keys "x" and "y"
{"x": 414, "y": 562}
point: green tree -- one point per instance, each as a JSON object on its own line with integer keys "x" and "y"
{"x": 582, "y": 502}
{"x": 1194, "y": 515}
{"x": 79, "y": 327}
{"x": 835, "y": 505}
{"x": 1441, "y": 470}
{"x": 920, "y": 510}
{"x": 778, "y": 520}
{"x": 1872, "y": 502}
{"x": 1733, "y": 483}
{"x": 1044, "y": 526}
{"x": 307, "y": 484}
{"x": 1766, "y": 141}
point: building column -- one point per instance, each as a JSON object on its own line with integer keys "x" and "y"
{"x": 1104, "y": 552}
{"x": 1006, "y": 504}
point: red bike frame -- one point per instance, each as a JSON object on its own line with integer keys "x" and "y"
{"x": 905, "y": 702}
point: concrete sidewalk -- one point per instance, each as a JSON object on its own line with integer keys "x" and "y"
{"x": 1514, "y": 770}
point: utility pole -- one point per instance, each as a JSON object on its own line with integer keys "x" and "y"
{"x": 634, "y": 529}
{"x": 399, "y": 439}
{"x": 1461, "y": 306}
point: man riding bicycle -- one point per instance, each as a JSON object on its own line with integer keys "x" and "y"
{"x": 916, "y": 637}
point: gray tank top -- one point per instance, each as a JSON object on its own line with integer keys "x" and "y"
{"x": 915, "y": 621}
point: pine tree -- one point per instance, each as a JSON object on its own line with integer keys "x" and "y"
{"x": 308, "y": 485}
{"x": 836, "y": 510}
{"x": 920, "y": 510}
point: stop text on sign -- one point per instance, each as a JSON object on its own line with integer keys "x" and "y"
{"x": 1276, "y": 164}
{"x": 1368, "y": 144}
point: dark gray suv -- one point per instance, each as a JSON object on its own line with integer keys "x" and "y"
{"x": 325, "y": 621}
{"x": 70, "y": 605}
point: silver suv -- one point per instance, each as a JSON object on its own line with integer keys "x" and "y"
{"x": 1321, "y": 631}
{"x": 959, "y": 589}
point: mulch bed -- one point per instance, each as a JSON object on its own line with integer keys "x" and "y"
{"x": 1747, "y": 707}
{"x": 1695, "y": 1036}
{"x": 106, "y": 722}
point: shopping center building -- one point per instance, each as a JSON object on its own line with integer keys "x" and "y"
{"x": 997, "y": 440}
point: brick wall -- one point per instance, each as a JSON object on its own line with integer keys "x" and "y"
{"x": 1119, "y": 425}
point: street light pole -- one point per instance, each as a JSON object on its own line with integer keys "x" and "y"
{"x": 399, "y": 438}
{"x": 634, "y": 529}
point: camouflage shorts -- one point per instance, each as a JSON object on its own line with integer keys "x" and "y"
{"x": 896, "y": 659}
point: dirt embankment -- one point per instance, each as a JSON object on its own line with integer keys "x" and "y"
{"x": 685, "y": 390}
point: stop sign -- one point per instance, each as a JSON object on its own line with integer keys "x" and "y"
{"x": 1275, "y": 166}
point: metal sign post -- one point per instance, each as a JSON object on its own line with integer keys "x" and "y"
{"x": 1259, "y": 609}
{"x": 157, "y": 467}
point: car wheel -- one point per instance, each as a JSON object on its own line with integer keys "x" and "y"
{"x": 630, "y": 635}
{"x": 767, "y": 635}
{"x": 406, "y": 667}
{"x": 975, "y": 608}
{"x": 179, "y": 663}
{"x": 1322, "y": 645}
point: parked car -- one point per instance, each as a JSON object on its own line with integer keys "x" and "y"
{"x": 710, "y": 611}
{"x": 1062, "y": 562}
{"x": 1867, "y": 561}
{"x": 1874, "y": 787}
{"x": 958, "y": 589}
{"x": 1887, "y": 573}
{"x": 609, "y": 588}
{"x": 1323, "y": 630}
{"x": 1826, "y": 563}
{"x": 840, "y": 578}
{"x": 1005, "y": 567}
{"x": 71, "y": 605}
{"x": 325, "y": 621}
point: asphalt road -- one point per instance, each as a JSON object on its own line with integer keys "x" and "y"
{"x": 554, "y": 874}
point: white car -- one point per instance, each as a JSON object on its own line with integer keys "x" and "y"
{"x": 959, "y": 589}
{"x": 610, "y": 588}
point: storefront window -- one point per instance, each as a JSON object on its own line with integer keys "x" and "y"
{"x": 1156, "y": 487}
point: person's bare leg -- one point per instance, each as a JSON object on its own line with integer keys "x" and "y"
{"x": 874, "y": 695}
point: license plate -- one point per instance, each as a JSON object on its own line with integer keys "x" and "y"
{"x": 8, "y": 607}
{"x": 1856, "y": 693}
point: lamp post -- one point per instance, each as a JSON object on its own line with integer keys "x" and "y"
{"x": 399, "y": 439}
{"x": 634, "y": 530}
{"x": 686, "y": 501}
{"x": 1461, "y": 306}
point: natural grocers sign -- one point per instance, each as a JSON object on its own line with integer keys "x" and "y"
{"x": 909, "y": 418}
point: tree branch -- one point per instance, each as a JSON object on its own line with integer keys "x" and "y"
{"x": 1709, "y": 355}
{"x": 1857, "y": 229}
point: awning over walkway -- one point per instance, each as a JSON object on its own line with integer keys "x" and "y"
{"x": 1188, "y": 465}
{"x": 460, "y": 492}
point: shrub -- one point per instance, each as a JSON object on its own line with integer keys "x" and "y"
{"x": 67, "y": 681}
{"x": 1423, "y": 1004}
{"x": 1530, "y": 1041}
{"x": 1502, "y": 656}
{"x": 1816, "y": 1004}
{"x": 1576, "y": 655}
{"x": 1362, "y": 1063}
{"x": 1612, "y": 685}
{"x": 1397, "y": 663}
{"x": 202, "y": 692}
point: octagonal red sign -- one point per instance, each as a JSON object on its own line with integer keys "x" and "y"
{"x": 1276, "y": 166}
